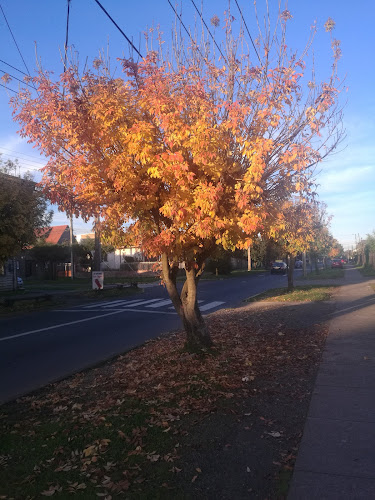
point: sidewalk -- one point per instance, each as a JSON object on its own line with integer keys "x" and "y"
{"x": 336, "y": 458}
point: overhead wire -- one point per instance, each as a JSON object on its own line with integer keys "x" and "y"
{"x": 14, "y": 39}
{"x": 248, "y": 31}
{"x": 4, "y": 62}
{"x": 18, "y": 152}
{"x": 209, "y": 32}
{"x": 185, "y": 28}
{"x": 118, "y": 27}
{"x": 15, "y": 91}
{"x": 26, "y": 160}
{"x": 15, "y": 78}
{"x": 66, "y": 35}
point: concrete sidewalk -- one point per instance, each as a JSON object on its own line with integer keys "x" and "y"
{"x": 336, "y": 458}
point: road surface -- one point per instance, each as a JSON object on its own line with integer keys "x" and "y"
{"x": 41, "y": 347}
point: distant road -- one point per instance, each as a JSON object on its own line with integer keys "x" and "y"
{"x": 41, "y": 347}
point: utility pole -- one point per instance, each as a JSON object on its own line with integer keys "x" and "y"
{"x": 71, "y": 247}
{"x": 98, "y": 247}
{"x": 249, "y": 258}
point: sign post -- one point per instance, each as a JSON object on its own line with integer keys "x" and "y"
{"x": 97, "y": 280}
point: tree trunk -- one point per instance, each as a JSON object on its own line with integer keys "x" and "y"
{"x": 291, "y": 261}
{"x": 186, "y": 304}
{"x": 197, "y": 335}
{"x": 316, "y": 265}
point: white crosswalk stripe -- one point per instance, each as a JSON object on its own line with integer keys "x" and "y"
{"x": 141, "y": 305}
{"x": 132, "y": 303}
{"x": 199, "y": 302}
{"x": 160, "y": 304}
{"x": 210, "y": 305}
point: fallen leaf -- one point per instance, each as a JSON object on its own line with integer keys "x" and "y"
{"x": 274, "y": 434}
{"x": 90, "y": 450}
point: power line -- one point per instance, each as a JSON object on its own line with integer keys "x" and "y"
{"x": 14, "y": 67}
{"x": 6, "y": 20}
{"x": 24, "y": 83}
{"x": 17, "y": 157}
{"x": 248, "y": 32}
{"x": 209, "y": 32}
{"x": 8, "y": 88}
{"x": 18, "y": 152}
{"x": 23, "y": 162}
{"x": 66, "y": 35}
{"x": 118, "y": 27}
{"x": 185, "y": 28}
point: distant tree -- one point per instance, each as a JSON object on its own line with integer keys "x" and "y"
{"x": 323, "y": 241}
{"x": 23, "y": 210}
{"x": 89, "y": 245}
{"x": 48, "y": 256}
{"x": 370, "y": 249}
{"x": 296, "y": 231}
{"x": 219, "y": 262}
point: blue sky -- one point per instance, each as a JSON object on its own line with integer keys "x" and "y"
{"x": 346, "y": 179}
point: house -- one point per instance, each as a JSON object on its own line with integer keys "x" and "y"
{"x": 55, "y": 235}
{"x": 115, "y": 260}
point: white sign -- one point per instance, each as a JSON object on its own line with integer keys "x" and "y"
{"x": 97, "y": 280}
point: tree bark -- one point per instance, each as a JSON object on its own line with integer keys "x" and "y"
{"x": 186, "y": 304}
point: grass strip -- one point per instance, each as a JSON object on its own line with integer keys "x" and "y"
{"x": 324, "y": 274}
{"x": 304, "y": 293}
{"x": 366, "y": 270}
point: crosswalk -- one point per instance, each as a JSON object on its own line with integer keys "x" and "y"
{"x": 163, "y": 306}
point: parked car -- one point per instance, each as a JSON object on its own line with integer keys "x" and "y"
{"x": 298, "y": 264}
{"x": 279, "y": 267}
{"x": 336, "y": 263}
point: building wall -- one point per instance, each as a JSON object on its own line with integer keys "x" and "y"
{"x": 116, "y": 258}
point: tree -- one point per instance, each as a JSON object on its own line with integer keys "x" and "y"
{"x": 49, "y": 255}
{"x": 323, "y": 242}
{"x": 296, "y": 231}
{"x": 189, "y": 150}
{"x": 23, "y": 210}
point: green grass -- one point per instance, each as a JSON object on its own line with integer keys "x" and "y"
{"x": 60, "y": 284}
{"x": 31, "y": 305}
{"x": 138, "y": 279}
{"x": 324, "y": 274}
{"x": 67, "y": 449}
{"x": 366, "y": 270}
{"x": 306, "y": 293}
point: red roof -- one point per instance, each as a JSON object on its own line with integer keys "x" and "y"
{"x": 53, "y": 234}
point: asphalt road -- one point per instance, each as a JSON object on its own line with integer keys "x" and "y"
{"x": 41, "y": 347}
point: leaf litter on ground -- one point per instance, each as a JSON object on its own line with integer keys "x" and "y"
{"x": 106, "y": 428}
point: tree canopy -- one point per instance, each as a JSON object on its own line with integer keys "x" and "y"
{"x": 186, "y": 151}
{"x": 23, "y": 210}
